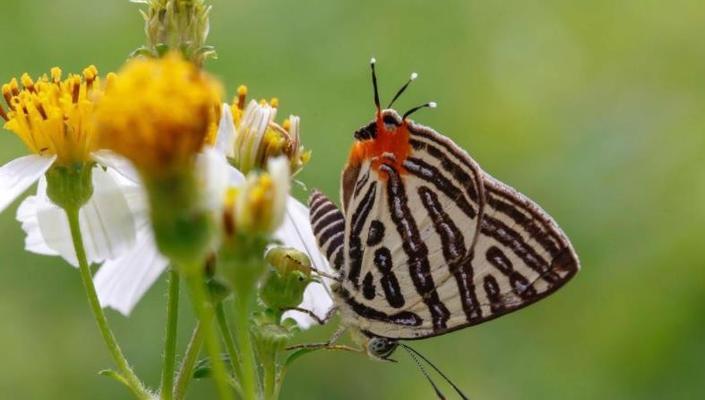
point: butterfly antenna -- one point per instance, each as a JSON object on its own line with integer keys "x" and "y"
{"x": 374, "y": 82}
{"x": 413, "y": 76}
{"x": 423, "y": 371}
{"x": 430, "y": 104}
{"x": 457, "y": 389}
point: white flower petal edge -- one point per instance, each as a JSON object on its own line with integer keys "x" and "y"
{"x": 296, "y": 232}
{"x": 19, "y": 174}
{"x": 27, "y": 215}
{"x": 122, "y": 282}
{"x": 214, "y": 174}
{"x": 117, "y": 163}
{"x": 225, "y": 141}
{"x": 107, "y": 222}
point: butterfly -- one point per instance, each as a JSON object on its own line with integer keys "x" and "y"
{"x": 425, "y": 242}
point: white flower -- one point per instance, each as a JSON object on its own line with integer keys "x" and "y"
{"x": 121, "y": 282}
{"x": 107, "y": 222}
{"x": 53, "y": 117}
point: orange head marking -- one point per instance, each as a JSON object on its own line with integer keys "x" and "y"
{"x": 383, "y": 141}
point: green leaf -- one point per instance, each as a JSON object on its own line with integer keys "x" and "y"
{"x": 114, "y": 375}
{"x": 204, "y": 368}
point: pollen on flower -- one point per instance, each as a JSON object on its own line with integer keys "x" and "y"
{"x": 259, "y": 138}
{"x": 159, "y": 113}
{"x": 255, "y": 204}
{"x": 261, "y": 202}
{"x": 54, "y": 116}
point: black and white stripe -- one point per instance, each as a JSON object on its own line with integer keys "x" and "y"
{"x": 328, "y": 226}
{"x": 432, "y": 243}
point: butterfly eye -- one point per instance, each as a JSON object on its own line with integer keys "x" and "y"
{"x": 366, "y": 132}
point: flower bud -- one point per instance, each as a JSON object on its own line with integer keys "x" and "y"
{"x": 177, "y": 25}
{"x": 158, "y": 114}
{"x": 284, "y": 284}
{"x": 261, "y": 203}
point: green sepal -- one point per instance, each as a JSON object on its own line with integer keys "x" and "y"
{"x": 142, "y": 52}
{"x": 183, "y": 228}
{"x": 218, "y": 292}
{"x": 70, "y": 186}
{"x": 240, "y": 263}
{"x": 283, "y": 291}
{"x": 162, "y": 49}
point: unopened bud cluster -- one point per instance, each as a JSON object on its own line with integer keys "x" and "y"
{"x": 177, "y": 25}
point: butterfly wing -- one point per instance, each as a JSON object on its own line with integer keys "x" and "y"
{"x": 328, "y": 226}
{"x": 432, "y": 243}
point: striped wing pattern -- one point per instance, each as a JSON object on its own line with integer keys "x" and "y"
{"x": 328, "y": 226}
{"x": 432, "y": 244}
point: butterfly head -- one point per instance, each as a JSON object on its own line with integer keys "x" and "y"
{"x": 386, "y": 138}
{"x": 381, "y": 348}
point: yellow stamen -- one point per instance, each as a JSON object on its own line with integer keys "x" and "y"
{"x": 255, "y": 142}
{"x": 3, "y": 115}
{"x": 54, "y": 117}
{"x": 158, "y": 113}
{"x": 56, "y": 74}
{"x": 241, "y": 96}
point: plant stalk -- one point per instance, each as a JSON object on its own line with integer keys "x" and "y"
{"x": 248, "y": 366}
{"x": 121, "y": 362}
{"x": 185, "y": 374}
{"x": 172, "y": 312}
{"x": 204, "y": 311}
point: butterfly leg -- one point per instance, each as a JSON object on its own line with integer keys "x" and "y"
{"x": 332, "y": 277}
{"x": 319, "y": 320}
{"x": 329, "y": 344}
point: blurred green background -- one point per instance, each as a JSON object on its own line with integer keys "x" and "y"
{"x": 596, "y": 109}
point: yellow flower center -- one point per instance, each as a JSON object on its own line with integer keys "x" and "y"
{"x": 54, "y": 116}
{"x": 159, "y": 113}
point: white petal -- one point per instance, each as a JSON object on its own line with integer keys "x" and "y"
{"x": 123, "y": 281}
{"x": 118, "y": 163}
{"x": 235, "y": 177}
{"x": 296, "y": 232}
{"x": 225, "y": 139}
{"x": 27, "y": 215}
{"x": 213, "y": 170}
{"x": 278, "y": 169}
{"x": 106, "y": 222}
{"x": 19, "y": 174}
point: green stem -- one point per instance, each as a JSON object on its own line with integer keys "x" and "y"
{"x": 204, "y": 311}
{"x": 131, "y": 379}
{"x": 247, "y": 355}
{"x": 172, "y": 320}
{"x": 187, "y": 364}
{"x": 269, "y": 375}
{"x": 228, "y": 339}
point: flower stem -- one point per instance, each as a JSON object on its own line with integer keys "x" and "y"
{"x": 247, "y": 356}
{"x": 228, "y": 339}
{"x": 172, "y": 312}
{"x": 187, "y": 364}
{"x": 131, "y": 379}
{"x": 204, "y": 311}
